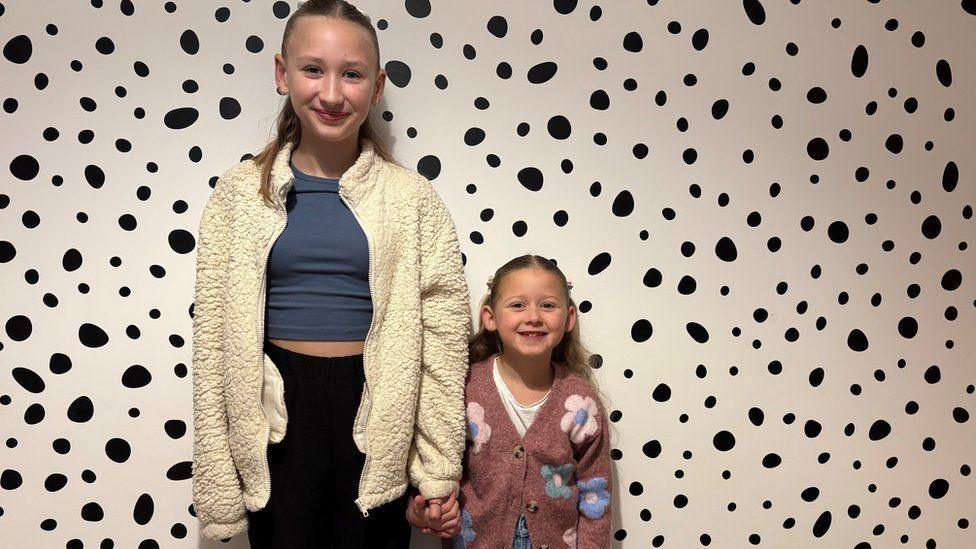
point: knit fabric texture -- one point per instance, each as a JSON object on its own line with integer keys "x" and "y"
{"x": 558, "y": 475}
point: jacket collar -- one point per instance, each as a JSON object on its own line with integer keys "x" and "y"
{"x": 353, "y": 184}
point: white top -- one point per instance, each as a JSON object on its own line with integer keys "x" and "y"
{"x": 522, "y": 416}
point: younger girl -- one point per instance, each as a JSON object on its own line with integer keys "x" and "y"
{"x": 537, "y": 463}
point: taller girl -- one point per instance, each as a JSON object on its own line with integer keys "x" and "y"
{"x": 331, "y": 299}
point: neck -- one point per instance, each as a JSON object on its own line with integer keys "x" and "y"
{"x": 534, "y": 372}
{"x": 325, "y": 159}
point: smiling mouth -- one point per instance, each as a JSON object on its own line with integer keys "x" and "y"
{"x": 331, "y": 115}
{"x": 532, "y": 334}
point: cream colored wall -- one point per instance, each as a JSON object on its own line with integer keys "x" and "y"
{"x": 652, "y": 385}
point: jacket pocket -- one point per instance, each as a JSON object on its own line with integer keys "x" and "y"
{"x": 273, "y": 401}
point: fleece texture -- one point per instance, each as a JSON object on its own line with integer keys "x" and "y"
{"x": 558, "y": 475}
{"x": 410, "y": 423}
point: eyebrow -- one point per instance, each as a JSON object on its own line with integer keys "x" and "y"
{"x": 557, "y": 298}
{"x": 320, "y": 61}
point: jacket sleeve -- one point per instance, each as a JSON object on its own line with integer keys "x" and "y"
{"x": 217, "y": 493}
{"x": 434, "y": 463}
{"x": 594, "y": 478}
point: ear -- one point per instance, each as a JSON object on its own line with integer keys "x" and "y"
{"x": 379, "y": 87}
{"x": 571, "y": 319}
{"x": 488, "y": 319}
{"x": 280, "y": 80}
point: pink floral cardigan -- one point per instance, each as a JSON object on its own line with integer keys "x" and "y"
{"x": 558, "y": 475}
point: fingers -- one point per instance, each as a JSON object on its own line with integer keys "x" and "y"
{"x": 450, "y": 514}
{"x": 416, "y": 512}
{"x": 450, "y": 525}
{"x": 434, "y": 508}
{"x": 417, "y": 503}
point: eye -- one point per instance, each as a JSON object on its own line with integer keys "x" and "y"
{"x": 549, "y": 305}
{"x": 312, "y": 69}
{"x": 353, "y": 74}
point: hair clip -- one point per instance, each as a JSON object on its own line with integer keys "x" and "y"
{"x": 491, "y": 279}
{"x": 569, "y": 284}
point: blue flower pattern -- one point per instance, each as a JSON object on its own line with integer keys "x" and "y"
{"x": 557, "y": 477}
{"x": 581, "y": 416}
{"x": 593, "y": 497}
{"x": 466, "y": 535}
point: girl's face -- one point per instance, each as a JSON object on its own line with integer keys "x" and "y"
{"x": 330, "y": 76}
{"x": 531, "y": 313}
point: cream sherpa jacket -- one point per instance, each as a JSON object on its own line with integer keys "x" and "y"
{"x": 411, "y": 422}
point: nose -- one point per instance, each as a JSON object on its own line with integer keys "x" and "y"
{"x": 533, "y": 316}
{"x": 330, "y": 94}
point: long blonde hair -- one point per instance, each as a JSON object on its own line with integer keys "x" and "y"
{"x": 570, "y": 351}
{"x": 289, "y": 127}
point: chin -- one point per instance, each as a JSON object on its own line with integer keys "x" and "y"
{"x": 531, "y": 352}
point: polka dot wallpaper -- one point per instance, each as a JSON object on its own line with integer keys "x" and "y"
{"x": 765, "y": 207}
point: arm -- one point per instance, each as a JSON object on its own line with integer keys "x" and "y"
{"x": 595, "y": 482}
{"x": 217, "y": 495}
{"x": 434, "y": 463}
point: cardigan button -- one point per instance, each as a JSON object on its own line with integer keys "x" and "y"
{"x": 532, "y": 506}
{"x": 519, "y": 450}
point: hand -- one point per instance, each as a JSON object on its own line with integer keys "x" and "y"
{"x": 416, "y": 514}
{"x": 436, "y": 516}
{"x": 449, "y": 522}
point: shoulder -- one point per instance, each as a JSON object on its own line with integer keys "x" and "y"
{"x": 478, "y": 373}
{"x": 574, "y": 384}
{"x": 246, "y": 174}
{"x": 401, "y": 176}
{"x": 410, "y": 183}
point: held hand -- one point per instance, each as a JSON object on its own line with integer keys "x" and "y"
{"x": 417, "y": 513}
{"x": 450, "y": 518}
{"x": 448, "y": 522}
{"x": 449, "y": 514}
{"x": 434, "y": 509}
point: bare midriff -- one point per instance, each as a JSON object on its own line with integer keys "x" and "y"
{"x": 321, "y": 348}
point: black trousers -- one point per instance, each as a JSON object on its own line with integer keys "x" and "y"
{"x": 315, "y": 470}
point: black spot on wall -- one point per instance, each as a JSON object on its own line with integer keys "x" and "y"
{"x": 429, "y": 166}
{"x": 633, "y": 42}
{"x": 944, "y": 72}
{"x": 92, "y": 336}
{"x": 18, "y": 49}
{"x": 754, "y": 11}
{"x": 230, "y": 108}
{"x": 541, "y": 73}
{"x": 623, "y": 204}
{"x": 142, "y": 512}
{"x": 136, "y": 376}
{"x": 530, "y": 178}
{"x": 189, "y": 42}
{"x": 24, "y": 167}
{"x": 859, "y": 61}
{"x": 398, "y": 73}
{"x": 81, "y": 410}
{"x": 181, "y": 118}
{"x": 418, "y": 8}
{"x": 19, "y": 327}
{"x": 28, "y": 379}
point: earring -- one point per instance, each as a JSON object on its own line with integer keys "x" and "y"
{"x": 282, "y": 92}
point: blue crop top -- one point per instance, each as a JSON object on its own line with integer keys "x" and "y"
{"x": 318, "y": 269}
